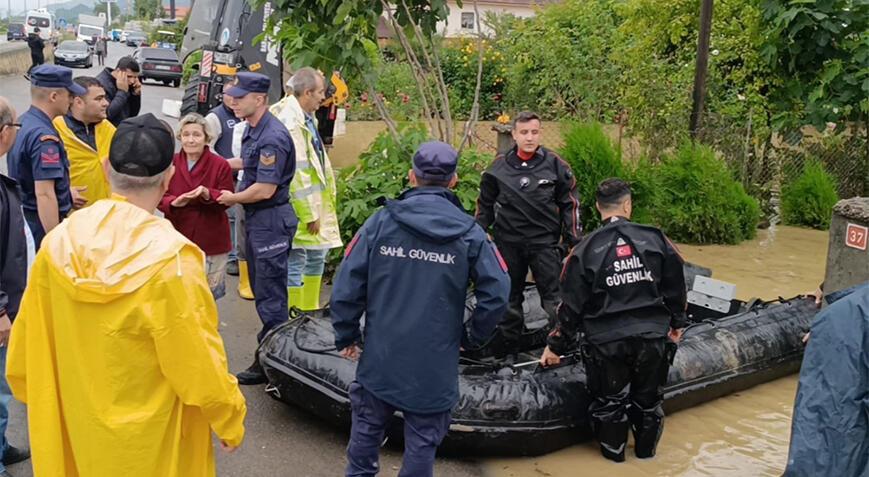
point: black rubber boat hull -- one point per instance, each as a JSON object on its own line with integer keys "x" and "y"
{"x": 532, "y": 411}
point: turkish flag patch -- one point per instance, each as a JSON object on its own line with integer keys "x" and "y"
{"x": 351, "y": 245}
{"x": 623, "y": 251}
{"x": 50, "y": 156}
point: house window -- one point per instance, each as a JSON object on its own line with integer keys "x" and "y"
{"x": 468, "y": 21}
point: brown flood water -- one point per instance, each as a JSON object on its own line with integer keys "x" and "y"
{"x": 744, "y": 434}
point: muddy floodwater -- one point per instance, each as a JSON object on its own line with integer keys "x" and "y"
{"x": 744, "y": 434}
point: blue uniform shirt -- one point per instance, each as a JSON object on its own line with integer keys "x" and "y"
{"x": 268, "y": 156}
{"x": 223, "y": 145}
{"x": 39, "y": 155}
{"x": 315, "y": 137}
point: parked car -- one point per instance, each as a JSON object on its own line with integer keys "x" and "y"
{"x": 16, "y": 32}
{"x": 159, "y": 64}
{"x": 74, "y": 53}
{"x": 136, "y": 39}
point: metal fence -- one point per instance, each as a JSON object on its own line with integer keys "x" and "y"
{"x": 764, "y": 165}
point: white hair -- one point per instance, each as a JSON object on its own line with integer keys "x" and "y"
{"x": 304, "y": 80}
{"x": 127, "y": 183}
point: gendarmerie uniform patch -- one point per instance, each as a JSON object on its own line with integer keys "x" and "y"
{"x": 267, "y": 159}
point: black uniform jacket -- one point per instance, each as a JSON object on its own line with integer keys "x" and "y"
{"x": 529, "y": 203}
{"x": 623, "y": 280}
{"x": 13, "y": 247}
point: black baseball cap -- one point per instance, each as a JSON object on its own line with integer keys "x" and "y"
{"x": 143, "y": 146}
{"x": 249, "y": 83}
{"x": 435, "y": 161}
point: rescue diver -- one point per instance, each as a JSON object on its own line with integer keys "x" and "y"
{"x": 115, "y": 350}
{"x": 268, "y": 157}
{"x": 408, "y": 269}
{"x": 529, "y": 202}
{"x": 623, "y": 289}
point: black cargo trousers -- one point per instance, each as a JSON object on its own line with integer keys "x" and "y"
{"x": 545, "y": 264}
{"x": 626, "y": 378}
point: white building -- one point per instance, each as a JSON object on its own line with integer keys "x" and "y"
{"x": 462, "y": 21}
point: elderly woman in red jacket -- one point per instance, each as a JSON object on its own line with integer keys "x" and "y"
{"x": 191, "y": 201}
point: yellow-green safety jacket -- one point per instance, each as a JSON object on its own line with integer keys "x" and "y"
{"x": 312, "y": 191}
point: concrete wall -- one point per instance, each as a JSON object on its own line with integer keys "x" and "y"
{"x": 15, "y": 57}
{"x": 360, "y": 134}
{"x": 846, "y": 266}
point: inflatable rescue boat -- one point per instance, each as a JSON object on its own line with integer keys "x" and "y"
{"x": 511, "y": 406}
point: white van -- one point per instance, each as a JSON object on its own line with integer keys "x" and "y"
{"x": 39, "y": 18}
{"x": 86, "y": 33}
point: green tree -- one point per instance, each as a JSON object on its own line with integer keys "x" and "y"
{"x": 330, "y": 34}
{"x": 559, "y": 61}
{"x": 100, "y": 7}
{"x": 147, "y": 9}
{"x": 820, "y": 50}
{"x": 656, "y": 55}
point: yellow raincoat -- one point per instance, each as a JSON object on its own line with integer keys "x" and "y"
{"x": 85, "y": 164}
{"x": 116, "y": 351}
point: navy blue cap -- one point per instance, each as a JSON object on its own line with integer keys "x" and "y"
{"x": 249, "y": 83}
{"x": 52, "y": 76}
{"x": 435, "y": 161}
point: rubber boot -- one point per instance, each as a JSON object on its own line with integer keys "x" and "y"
{"x": 647, "y": 426}
{"x": 244, "y": 290}
{"x": 254, "y": 374}
{"x": 311, "y": 292}
{"x": 294, "y": 297}
{"x": 613, "y": 438}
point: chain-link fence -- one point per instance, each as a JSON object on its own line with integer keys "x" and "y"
{"x": 765, "y": 164}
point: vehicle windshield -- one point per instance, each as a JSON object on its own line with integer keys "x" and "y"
{"x": 159, "y": 54}
{"x": 16, "y": 28}
{"x": 41, "y": 22}
{"x": 89, "y": 30}
{"x": 135, "y": 36}
{"x": 71, "y": 45}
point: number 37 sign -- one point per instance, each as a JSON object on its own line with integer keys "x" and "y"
{"x": 856, "y": 236}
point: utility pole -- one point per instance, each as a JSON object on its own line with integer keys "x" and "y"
{"x": 701, "y": 67}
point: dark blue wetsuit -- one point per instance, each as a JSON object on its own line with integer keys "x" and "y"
{"x": 39, "y": 155}
{"x": 408, "y": 270}
{"x": 268, "y": 157}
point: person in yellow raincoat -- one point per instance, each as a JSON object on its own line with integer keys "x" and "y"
{"x": 86, "y": 136}
{"x": 116, "y": 350}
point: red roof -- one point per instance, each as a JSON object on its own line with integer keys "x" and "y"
{"x": 180, "y": 12}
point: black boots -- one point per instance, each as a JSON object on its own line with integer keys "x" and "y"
{"x": 252, "y": 375}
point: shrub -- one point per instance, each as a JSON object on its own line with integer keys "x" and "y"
{"x": 809, "y": 200}
{"x": 593, "y": 158}
{"x": 645, "y": 190}
{"x": 397, "y": 88}
{"x": 381, "y": 174}
{"x": 697, "y": 201}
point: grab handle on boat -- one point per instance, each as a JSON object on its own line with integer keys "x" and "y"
{"x": 500, "y": 410}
